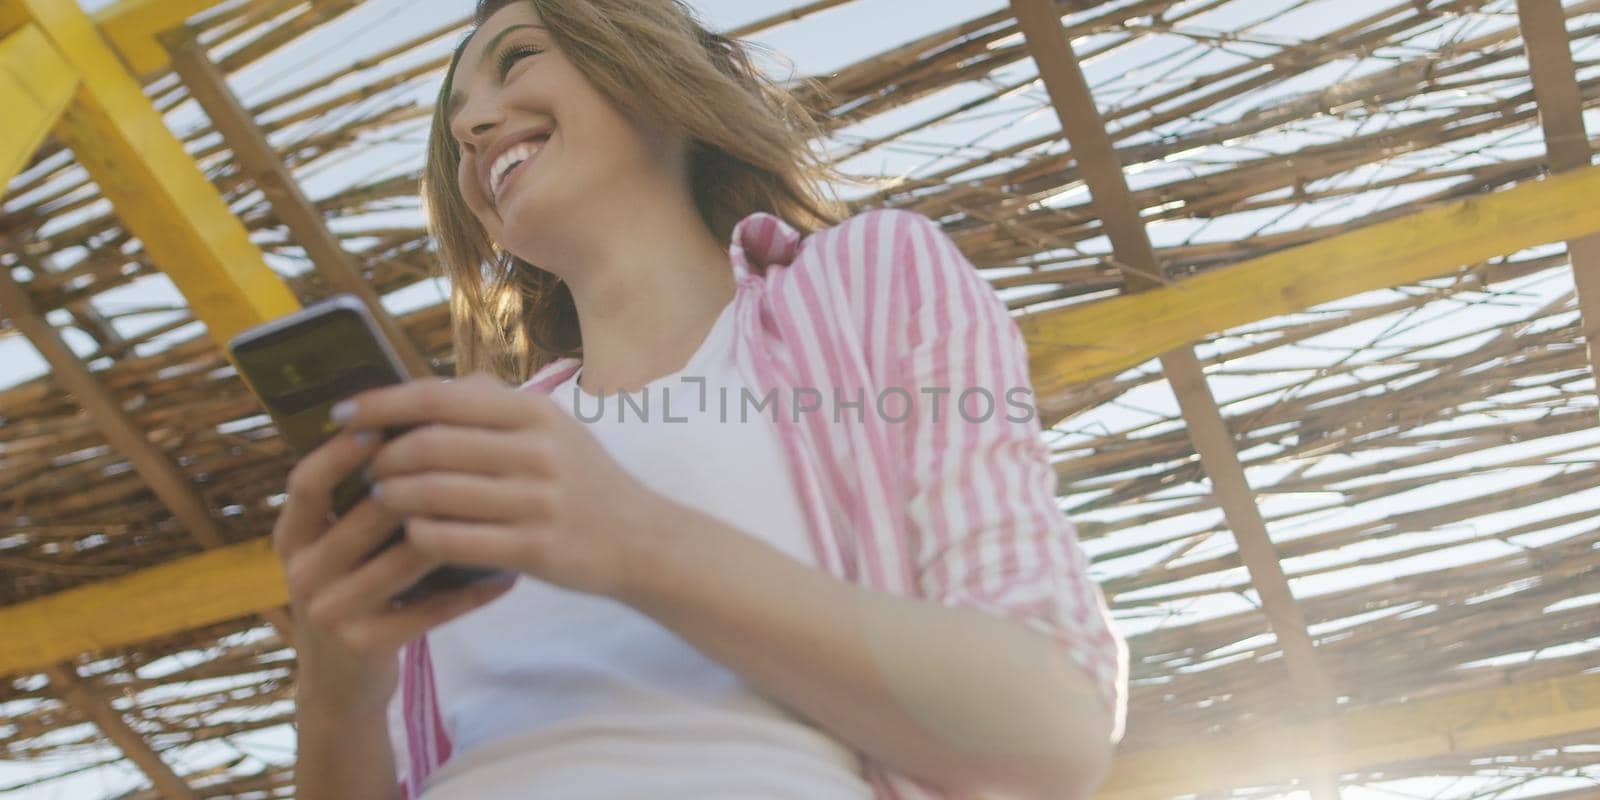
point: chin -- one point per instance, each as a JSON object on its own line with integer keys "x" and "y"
{"x": 529, "y": 226}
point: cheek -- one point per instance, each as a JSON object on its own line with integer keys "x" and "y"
{"x": 467, "y": 186}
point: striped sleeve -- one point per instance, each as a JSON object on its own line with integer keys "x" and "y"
{"x": 397, "y": 741}
{"x": 986, "y": 529}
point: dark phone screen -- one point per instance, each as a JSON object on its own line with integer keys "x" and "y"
{"x": 301, "y": 372}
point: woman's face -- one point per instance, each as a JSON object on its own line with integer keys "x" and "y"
{"x": 539, "y": 144}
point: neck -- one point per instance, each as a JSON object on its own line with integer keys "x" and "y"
{"x": 648, "y": 280}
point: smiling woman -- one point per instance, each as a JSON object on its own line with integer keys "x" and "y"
{"x": 873, "y": 599}
{"x": 653, "y": 97}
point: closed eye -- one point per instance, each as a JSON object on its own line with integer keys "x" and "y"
{"x": 513, "y": 55}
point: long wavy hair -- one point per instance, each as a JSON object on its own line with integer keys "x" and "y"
{"x": 750, "y": 150}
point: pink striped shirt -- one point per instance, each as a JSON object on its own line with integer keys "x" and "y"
{"x": 905, "y": 493}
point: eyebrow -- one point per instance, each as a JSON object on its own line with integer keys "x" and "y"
{"x": 453, "y": 103}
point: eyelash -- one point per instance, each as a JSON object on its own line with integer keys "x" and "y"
{"x": 509, "y": 57}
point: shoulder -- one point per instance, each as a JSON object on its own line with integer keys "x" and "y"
{"x": 884, "y": 247}
{"x": 881, "y": 273}
{"x": 880, "y": 227}
{"x": 872, "y": 239}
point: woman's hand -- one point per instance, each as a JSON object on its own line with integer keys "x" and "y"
{"x": 347, "y": 634}
{"x": 495, "y": 476}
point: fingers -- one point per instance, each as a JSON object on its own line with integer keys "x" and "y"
{"x": 368, "y": 589}
{"x": 451, "y": 448}
{"x": 474, "y": 544}
{"x": 351, "y": 540}
{"x": 472, "y": 498}
{"x": 403, "y": 624}
{"x": 357, "y": 609}
{"x": 476, "y": 401}
{"x": 310, "y": 488}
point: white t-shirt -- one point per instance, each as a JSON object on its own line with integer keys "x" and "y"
{"x": 555, "y": 694}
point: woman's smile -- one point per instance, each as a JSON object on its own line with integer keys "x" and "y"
{"x": 509, "y": 166}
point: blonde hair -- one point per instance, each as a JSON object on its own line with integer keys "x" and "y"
{"x": 750, "y": 150}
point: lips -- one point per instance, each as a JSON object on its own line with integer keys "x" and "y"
{"x": 517, "y": 168}
{"x": 493, "y": 184}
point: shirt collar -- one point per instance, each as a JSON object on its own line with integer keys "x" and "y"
{"x": 759, "y": 242}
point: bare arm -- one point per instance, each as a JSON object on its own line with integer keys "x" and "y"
{"x": 969, "y": 702}
{"x": 347, "y": 635}
{"x": 344, "y": 753}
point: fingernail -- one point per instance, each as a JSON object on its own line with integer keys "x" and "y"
{"x": 365, "y": 438}
{"x": 342, "y": 411}
{"x": 376, "y": 490}
{"x": 498, "y": 583}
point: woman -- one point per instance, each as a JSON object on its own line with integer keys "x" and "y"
{"x": 864, "y": 589}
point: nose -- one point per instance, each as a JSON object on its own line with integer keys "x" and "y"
{"x": 477, "y": 118}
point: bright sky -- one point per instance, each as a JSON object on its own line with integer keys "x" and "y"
{"x": 858, "y": 28}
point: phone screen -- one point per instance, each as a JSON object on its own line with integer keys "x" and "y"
{"x": 300, "y": 370}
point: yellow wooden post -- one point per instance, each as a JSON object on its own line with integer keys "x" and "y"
{"x": 1363, "y": 738}
{"x": 215, "y": 586}
{"x": 232, "y": 582}
{"x": 157, "y": 189}
{"x": 36, "y": 84}
{"x": 131, "y": 27}
{"x": 11, "y": 18}
{"x": 1076, "y": 344}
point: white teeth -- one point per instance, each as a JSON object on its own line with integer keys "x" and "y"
{"x": 508, "y": 160}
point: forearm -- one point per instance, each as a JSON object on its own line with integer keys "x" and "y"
{"x": 955, "y": 697}
{"x": 343, "y": 755}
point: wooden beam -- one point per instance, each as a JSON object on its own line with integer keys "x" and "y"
{"x": 1101, "y": 169}
{"x": 164, "y": 478}
{"x": 156, "y": 188}
{"x": 36, "y": 83}
{"x": 1076, "y": 344}
{"x": 160, "y": 193}
{"x": 131, "y": 26}
{"x": 1460, "y": 724}
{"x": 783, "y": 17}
{"x": 260, "y": 161}
{"x": 11, "y": 18}
{"x": 73, "y": 690}
{"x": 215, "y": 586}
{"x": 97, "y": 325}
{"x": 1555, "y": 87}
{"x": 1219, "y": 457}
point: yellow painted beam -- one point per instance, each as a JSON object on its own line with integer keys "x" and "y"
{"x": 215, "y": 586}
{"x": 36, "y": 84}
{"x": 239, "y": 580}
{"x": 11, "y": 17}
{"x": 156, "y": 188}
{"x": 1076, "y": 344}
{"x": 1363, "y": 738}
{"x": 131, "y": 27}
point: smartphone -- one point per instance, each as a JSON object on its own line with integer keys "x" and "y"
{"x": 300, "y": 365}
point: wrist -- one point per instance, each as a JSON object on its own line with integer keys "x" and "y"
{"x": 659, "y": 554}
{"x": 317, "y": 701}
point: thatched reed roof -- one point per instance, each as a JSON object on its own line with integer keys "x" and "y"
{"x": 1422, "y": 451}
